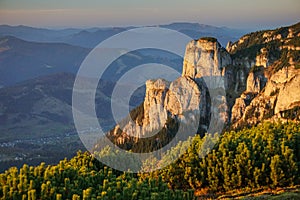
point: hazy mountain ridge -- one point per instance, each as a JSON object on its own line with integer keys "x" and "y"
{"x": 196, "y": 30}
{"x": 36, "y": 34}
{"x": 41, "y": 103}
{"x": 90, "y": 37}
{"x": 28, "y": 52}
{"x": 22, "y": 60}
{"x": 36, "y": 121}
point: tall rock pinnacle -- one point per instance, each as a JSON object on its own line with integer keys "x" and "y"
{"x": 197, "y": 97}
{"x": 205, "y": 57}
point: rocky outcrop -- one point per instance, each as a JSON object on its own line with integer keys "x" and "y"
{"x": 164, "y": 101}
{"x": 256, "y": 81}
{"x": 205, "y": 60}
{"x": 291, "y": 33}
{"x": 205, "y": 57}
{"x": 155, "y": 114}
{"x": 278, "y": 95}
{"x": 271, "y": 36}
{"x": 262, "y": 58}
{"x": 270, "y": 62}
{"x": 151, "y": 115}
{"x": 288, "y": 95}
{"x": 198, "y": 96}
{"x": 238, "y": 109}
{"x": 185, "y": 95}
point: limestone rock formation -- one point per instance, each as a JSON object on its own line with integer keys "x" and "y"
{"x": 262, "y": 58}
{"x": 273, "y": 82}
{"x": 279, "y": 95}
{"x": 267, "y": 99}
{"x": 154, "y": 113}
{"x": 238, "y": 109}
{"x": 256, "y": 78}
{"x": 197, "y": 97}
{"x": 256, "y": 81}
{"x": 184, "y": 95}
{"x": 262, "y": 77}
{"x": 289, "y": 94}
{"x": 183, "y": 100}
{"x": 205, "y": 57}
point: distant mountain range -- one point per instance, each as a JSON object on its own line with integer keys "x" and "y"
{"x": 22, "y": 60}
{"x": 89, "y": 38}
{"x": 27, "y": 52}
{"x": 36, "y": 34}
{"x": 36, "y": 121}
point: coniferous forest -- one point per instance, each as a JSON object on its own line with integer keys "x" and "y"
{"x": 266, "y": 156}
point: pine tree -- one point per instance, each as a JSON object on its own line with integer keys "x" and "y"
{"x": 276, "y": 172}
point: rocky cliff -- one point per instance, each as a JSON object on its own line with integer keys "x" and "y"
{"x": 205, "y": 57}
{"x": 206, "y": 60}
{"x": 197, "y": 97}
{"x": 272, "y": 84}
{"x": 254, "y": 79}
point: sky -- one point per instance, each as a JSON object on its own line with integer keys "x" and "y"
{"x": 100, "y": 13}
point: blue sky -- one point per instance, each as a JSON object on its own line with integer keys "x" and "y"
{"x": 91, "y": 13}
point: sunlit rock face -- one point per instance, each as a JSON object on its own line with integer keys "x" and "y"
{"x": 205, "y": 57}
{"x": 262, "y": 58}
{"x": 267, "y": 99}
{"x": 197, "y": 97}
{"x": 288, "y": 84}
{"x": 256, "y": 81}
{"x": 205, "y": 60}
{"x": 155, "y": 114}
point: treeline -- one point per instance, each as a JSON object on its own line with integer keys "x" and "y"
{"x": 83, "y": 177}
{"x": 264, "y": 156}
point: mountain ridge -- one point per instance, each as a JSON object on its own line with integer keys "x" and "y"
{"x": 258, "y": 87}
{"x": 90, "y": 37}
{"x": 272, "y": 64}
{"x": 21, "y": 60}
